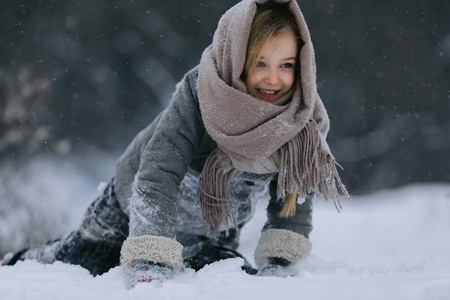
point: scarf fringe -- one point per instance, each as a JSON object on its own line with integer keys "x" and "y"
{"x": 213, "y": 194}
{"x": 305, "y": 167}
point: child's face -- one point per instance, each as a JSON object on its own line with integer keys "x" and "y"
{"x": 273, "y": 75}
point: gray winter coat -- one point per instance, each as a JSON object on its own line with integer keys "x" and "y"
{"x": 156, "y": 178}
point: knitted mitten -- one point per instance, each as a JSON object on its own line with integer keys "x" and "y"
{"x": 275, "y": 266}
{"x": 146, "y": 271}
{"x": 277, "y": 248}
{"x": 148, "y": 258}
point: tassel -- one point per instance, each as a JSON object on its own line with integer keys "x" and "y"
{"x": 305, "y": 166}
{"x": 213, "y": 194}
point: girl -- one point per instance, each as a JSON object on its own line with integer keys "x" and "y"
{"x": 247, "y": 117}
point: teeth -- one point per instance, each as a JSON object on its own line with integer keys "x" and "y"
{"x": 267, "y": 92}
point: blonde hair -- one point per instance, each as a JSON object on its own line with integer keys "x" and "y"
{"x": 270, "y": 19}
{"x": 289, "y": 205}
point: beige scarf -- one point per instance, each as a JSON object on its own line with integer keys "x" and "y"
{"x": 257, "y": 136}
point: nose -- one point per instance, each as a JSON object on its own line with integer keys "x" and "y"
{"x": 271, "y": 77}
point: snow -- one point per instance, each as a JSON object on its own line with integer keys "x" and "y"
{"x": 46, "y": 197}
{"x": 393, "y": 244}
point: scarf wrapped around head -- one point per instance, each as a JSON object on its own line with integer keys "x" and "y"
{"x": 254, "y": 135}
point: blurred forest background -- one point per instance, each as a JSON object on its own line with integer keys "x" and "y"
{"x": 85, "y": 76}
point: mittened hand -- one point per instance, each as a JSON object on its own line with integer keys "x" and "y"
{"x": 146, "y": 271}
{"x": 275, "y": 266}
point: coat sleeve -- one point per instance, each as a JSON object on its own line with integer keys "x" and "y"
{"x": 287, "y": 238}
{"x": 300, "y": 223}
{"x": 164, "y": 162}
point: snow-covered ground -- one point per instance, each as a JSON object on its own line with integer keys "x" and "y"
{"x": 393, "y": 244}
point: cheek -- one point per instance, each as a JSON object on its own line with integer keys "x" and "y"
{"x": 289, "y": 80}
{"x": 250, "y": 82}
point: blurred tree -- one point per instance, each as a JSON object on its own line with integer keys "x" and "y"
{"x": 384, "y": 77}
{"x": 77, "y": 73}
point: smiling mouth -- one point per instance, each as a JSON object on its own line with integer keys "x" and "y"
{"x": 267, "y": 93}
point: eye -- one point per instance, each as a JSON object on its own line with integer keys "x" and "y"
{"x": 287, "y": 65}
{"x": 259, "y": 64}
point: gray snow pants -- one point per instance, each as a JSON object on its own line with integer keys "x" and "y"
{"x": 96, "y": 244}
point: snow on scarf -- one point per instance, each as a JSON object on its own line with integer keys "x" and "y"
{"x": 251, "y": 134}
